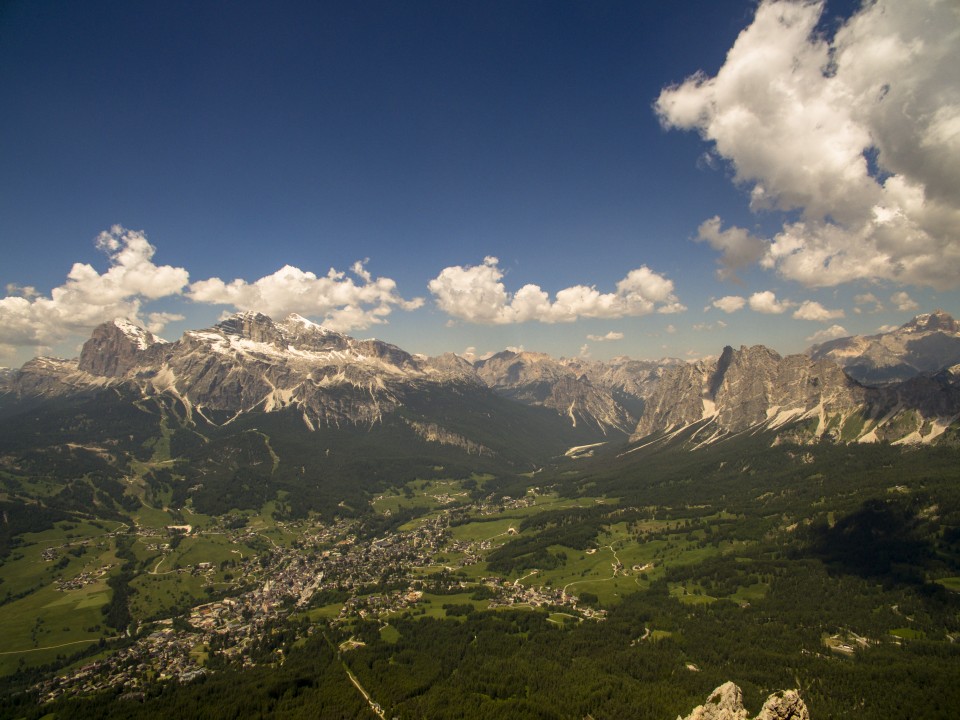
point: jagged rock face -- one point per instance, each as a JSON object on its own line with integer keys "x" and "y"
{"x": 755, "y": 387}
{"x": 744, "y": 384}
{"x": 257, "y": 327}
{"x": 564, "y": 386}
{"x": 629, "y": 382}
{"x": 936, "y": 395}
{"x": 928, "y": 343}
{"x": 431, "y": 432}
{"x": 787, "y": 705}
{"x": 937, "y": 321}
{"x": 726, "y": 703}
{"x": 115, "y": 347}
{"x": 46, "y": 377}
{"x": 249, "y": 362}
{"x": 682, "y": 397}
{"x": 453, "y": 365}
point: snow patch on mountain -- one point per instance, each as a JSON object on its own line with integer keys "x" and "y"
{"x": 141, "y": 338}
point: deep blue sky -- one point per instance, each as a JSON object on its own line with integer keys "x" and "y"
{"x": 241, "y": 137}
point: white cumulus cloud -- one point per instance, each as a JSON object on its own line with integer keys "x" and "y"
{"x": 476, "y": 293}
{"x": 609, "y": 337}
{"x": 730, "y": 303}
{"x": 88, "y": 298}
{"x": 831, "y": 333}
{"x": 904, "y": 302}
{"x": 868, "y": 299}
{"x": 157, "y": 321}
{"x": 766, "y": 302}
{"x": 345, "y": 303}
{"x": 812, "y": 310}
{"x": 859, "y": 132}
{"x": 738, "y": 248}
{"x": 707, "y": 327}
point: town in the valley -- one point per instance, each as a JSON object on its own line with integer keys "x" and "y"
{"x": 369, "y": 576}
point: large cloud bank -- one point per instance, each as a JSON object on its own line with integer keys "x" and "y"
{"x": 476, "y": 293}
{"x": 860, "y": 133}
{"x": 88, "y": 298}
{"x": 343, "y": 302}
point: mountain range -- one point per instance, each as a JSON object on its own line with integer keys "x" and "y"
{"x": 926, "y": 344}
{"x": 249, "y": 363}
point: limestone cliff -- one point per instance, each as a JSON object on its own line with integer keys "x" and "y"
{"x": 115, "y": 347}
{"x": 538, "y": 379}
{"x": 755, "y": 388}
{"x": 926, "y": 344}
{"x": 726, "y": 703}
{"x": 249, "y": 362}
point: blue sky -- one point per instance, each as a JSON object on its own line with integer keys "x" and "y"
{"x": 602, "y": 178}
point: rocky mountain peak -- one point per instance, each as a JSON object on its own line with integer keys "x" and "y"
{"x": 723, "y": 362}
{"x": 747, "y": 388}
{"x": 538, "y": 379}
{"x": 249, "y": 362}
{"x": 926, "y": 344}
{"x": 300, "y": 333}
{"x": 726, "y": 703}
{"x": 252, "y": 326}
{"x": 301, "y": 320}
{"x": 297, "y": 325}
{"x": 937, "y": 321}
{"x": 143, "y": 338}
{"x": 114, "y": 347}
{"x": 452, "y": 364}
{"x": 784, "y": 705}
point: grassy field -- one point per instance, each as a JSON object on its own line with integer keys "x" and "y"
{"x": 431, "y": 494}
{"x": 950, "y": 583}
{"x": 750, "y": 593}
{"x": 389, "y": 634}
{"x": 174, "y": 578}
{"x": 327, "y": 612}
{"x": 433, "y": 604}
{"x": 44, "y": 616}
{"x": 47, "y": 623}
{"x": 620, "y": 564}
{"x": 495, "y": 530}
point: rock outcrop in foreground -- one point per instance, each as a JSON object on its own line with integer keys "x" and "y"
{"x": 726, "y": 703}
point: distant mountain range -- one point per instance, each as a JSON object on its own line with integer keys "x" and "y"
{"x": 755, "y": 388}
{"x": 250, "y": 363}
{"x": 926, "y": 344}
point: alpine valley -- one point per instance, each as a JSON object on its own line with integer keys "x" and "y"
{"x": 271, "y": 519}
